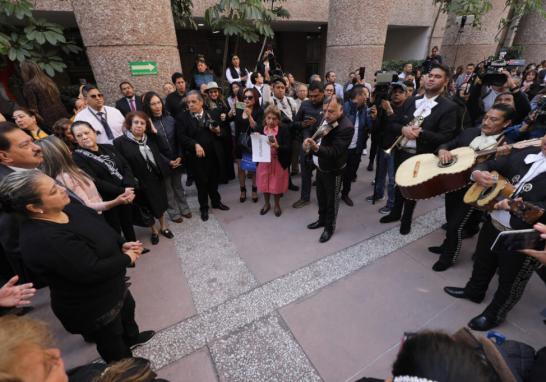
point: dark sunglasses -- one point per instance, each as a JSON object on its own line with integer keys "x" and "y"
{"x": 248, "y": 97}
{"x": 99, "y": 95}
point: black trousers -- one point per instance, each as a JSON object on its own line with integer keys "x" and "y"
{"x": 114, "y": 338}
{"x": 402, "y": 207}
{"x": 207, "y": 186}
{"x": 514, "y": 268}
{"x": 459, "y": 215}
{"x": 328, "y": 188}
{"x": 120, "y": 218}
{"x": 349, "y": 173}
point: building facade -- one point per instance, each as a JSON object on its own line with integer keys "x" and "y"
{"x": 340, "y": 35}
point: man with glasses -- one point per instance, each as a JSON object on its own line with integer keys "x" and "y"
{"x": 107, "y": 121}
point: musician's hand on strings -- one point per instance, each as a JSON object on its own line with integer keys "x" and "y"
{"x": 199, "y": 151}
{"x": 445, "y": 156}
{"x": 504, "y": 204}
{"x": 503, "y": 150}
{"x": 311, "y": 144}
{"x": 483, "y": 178}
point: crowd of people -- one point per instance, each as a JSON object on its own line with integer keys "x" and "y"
{"x": 74, "y": 183}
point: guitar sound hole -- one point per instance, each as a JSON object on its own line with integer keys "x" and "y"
{"x": 448, "y": 164}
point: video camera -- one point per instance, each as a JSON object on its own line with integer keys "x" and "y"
{"x": 491, "y": 73}
{"x": 538, "y": 116}
{"x": 383, "y": 82}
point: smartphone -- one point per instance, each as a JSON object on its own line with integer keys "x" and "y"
{"x": 240, "y": 105}
{"x": 362, "y": 72}
{"x": 518, "y": 239}
{"x": 271, "y": 138}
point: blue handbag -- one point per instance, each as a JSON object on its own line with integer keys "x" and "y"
{"x": 247, "y": 164}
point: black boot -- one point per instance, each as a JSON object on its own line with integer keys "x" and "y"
{"x": 407, "y": 215}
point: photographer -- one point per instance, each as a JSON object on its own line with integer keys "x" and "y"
{"x": 533, "y": 124}
{"x": 486, "y": 89}
{"x": 390, "y": 116}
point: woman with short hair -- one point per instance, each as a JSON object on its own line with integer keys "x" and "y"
{"x": 143, "y": 149}
{"x": 29, "y": 121}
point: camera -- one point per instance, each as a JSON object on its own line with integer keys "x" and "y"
{"x": 538, "y": 116}
{"x": 383, "y": 82}
{"x": 493, "y": 67}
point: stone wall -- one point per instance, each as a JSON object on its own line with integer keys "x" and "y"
{"x": 531, "y": 34}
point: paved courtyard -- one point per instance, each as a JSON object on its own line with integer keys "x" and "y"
{"x": 245, "y": 297}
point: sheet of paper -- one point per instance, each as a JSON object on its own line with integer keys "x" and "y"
{"x": 261, "y": 151}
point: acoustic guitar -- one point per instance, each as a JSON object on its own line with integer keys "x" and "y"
{"x": 424, "y": 176}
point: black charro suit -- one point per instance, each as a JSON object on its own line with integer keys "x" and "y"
{"x": 332, "y": 158}
{"x": 122, "y": 105}
{"x": 514, "y": 268}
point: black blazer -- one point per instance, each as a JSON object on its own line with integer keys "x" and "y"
{"x": 439, "y": 127}
{"x": 333, "y": 149}
{"x": 131, "y": 152}
{"x": 285, "y": 144}
{"x": 122, "y": 105}
{"x": 513, "y": 168}
{"x": 108, "y": 185}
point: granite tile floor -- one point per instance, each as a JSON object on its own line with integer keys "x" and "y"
{"x": 246, "y": 297}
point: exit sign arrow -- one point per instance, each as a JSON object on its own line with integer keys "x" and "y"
{"x": 143, "y": 68}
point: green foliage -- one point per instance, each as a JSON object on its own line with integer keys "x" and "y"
{"x": 247, "y": 19}
{"x": 398, "y": 65}
{"x": 36, "y": 39}
{"x": 479, "y": 8}
{"x": 182, "y": 13}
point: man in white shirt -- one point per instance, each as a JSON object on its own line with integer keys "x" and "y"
{"x": 257, "y": 81}
{"x": 107, "y": 121}
{"x": 331, "y": 79}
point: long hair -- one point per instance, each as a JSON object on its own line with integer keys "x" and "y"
{"x": 147, "y": 100}
{"x": 58, "y": 160}
{"x": 128, "y": 370}
{"x": 32, "y": 74}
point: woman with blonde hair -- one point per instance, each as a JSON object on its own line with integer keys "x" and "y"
{"x": 41, "y": 93}
{"x": 59, "y": 165}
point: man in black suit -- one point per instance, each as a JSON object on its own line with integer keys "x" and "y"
{"x": 202, "y": 139}
{"x": 330, "y": 157}
{"x": 17, "y": 153}
{"x": 460, "y": 215}
{"x": 130, "y": 101}
{"x": 438, "y": 126}
{"x": 526, "y": 170}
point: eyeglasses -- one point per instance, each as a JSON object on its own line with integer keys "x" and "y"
{"x": 248, "y": 97}
{"x": 98, "y": 95}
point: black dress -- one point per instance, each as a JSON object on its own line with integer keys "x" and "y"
{"x": 242, "y": 125}
{"x": 82, "y": 263}
{"x": 151, "y": 192}
{"x": 215, "y": 110}
{"x": 111, "y": 175}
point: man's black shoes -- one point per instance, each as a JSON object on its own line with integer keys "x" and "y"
{"x": 204, "y": 215}
{"x": 348, "y": 201}
{"x": 460, "y": 293}
{"x": 221, "y": 206}
{"x": 141, "y": 339}
{"x": 315, "y": 225}
{"x": 482, "y": 323}
{"x": 326, "y": 235}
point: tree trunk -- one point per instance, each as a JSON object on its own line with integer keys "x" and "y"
{"x": 260, "y": 54}
{"x": 429, "y": 43}
{"x": 236, "y": 49}
{"x": 224, "y": 60}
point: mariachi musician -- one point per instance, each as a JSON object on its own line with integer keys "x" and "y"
{"x": 458, "y": 214}
{"x": 438, "y": 126}
{"x": 526, "y": 170}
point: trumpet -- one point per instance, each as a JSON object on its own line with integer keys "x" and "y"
{"x": 401, "y": 140}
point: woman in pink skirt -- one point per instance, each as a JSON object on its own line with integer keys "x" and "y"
{"x": 272, "y": 178}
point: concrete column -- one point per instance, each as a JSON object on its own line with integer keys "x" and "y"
{"x": 117, "y": 32}
{"x": 357, "y": 30}
{"x": 531, "y": 34}
{"x": 473, "y": 44}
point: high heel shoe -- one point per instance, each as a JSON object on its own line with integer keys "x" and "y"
{"x": 254, "y": 192}
{"x": 242, "y": 198}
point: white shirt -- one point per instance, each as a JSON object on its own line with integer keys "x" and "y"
{"x": 265, "y": 93}
{"x": 402, "y": 76}
{"x": 489, "y": 99}
{"x": 113, "y": 116}
{"x": 423, "y": 108}
{"x": 315, "y": 158}
{"x": 538, "y": 167}
{"x": 229, "y": 77}
{"x": 482, "y": 142}
{"x": 355, "y": 134}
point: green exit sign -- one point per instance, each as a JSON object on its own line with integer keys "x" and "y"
{"x": 143, "y": 68}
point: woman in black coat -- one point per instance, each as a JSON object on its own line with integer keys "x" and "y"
{"x": 110, "y": 173}
{"x": 142, "y": 148}
{"x": 70, "y": 248}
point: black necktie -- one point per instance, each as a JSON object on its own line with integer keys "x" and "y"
{"x": 107, "y": 128}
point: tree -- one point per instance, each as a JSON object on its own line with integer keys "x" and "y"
{"x": 34, "y": 39}
{"x": 246, "y": 19}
